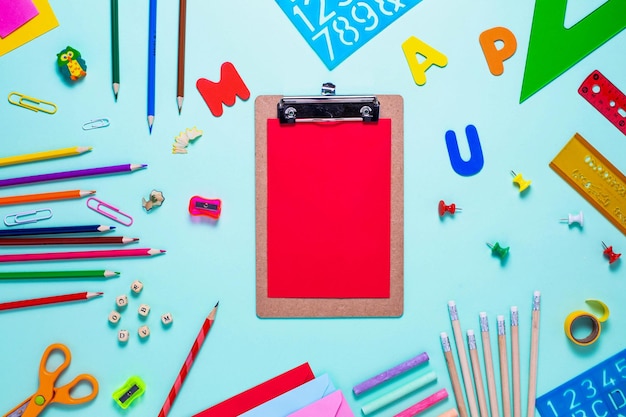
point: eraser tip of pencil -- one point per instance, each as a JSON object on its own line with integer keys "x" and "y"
{"x": 513, "y": 309}
{"x": 482, "y": 314}
{"x": 451, "y": 303}
{"x": 470, "y": 332}
{"x": 500, "y": 318}
{"x": 537, "y": 293}
{"x": 444, "y": 335}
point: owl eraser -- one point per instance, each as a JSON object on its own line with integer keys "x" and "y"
{"x": 71, "y": 64}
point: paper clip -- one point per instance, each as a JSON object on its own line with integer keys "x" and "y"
{"x": 32, "y": 103}
{"x": 27, "y": 217}
{"x": 97, "y": 207}
{"x": 96, "y": 124}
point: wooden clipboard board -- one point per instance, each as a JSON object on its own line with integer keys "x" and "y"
{"x": 391, "y": 107}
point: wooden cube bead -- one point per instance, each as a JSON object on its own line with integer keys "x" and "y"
{"x": 167, "y": 319}
{"x": 123, "y": 336}
{"x": 121, "y": 301}
{"x": 144, "y": 310}
{"x": 144, "y": 331}
{"x": 114, "y": 317}
{"x": 136, "y": 286}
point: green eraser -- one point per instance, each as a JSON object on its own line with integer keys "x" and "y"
{"x": 132, "y": 389}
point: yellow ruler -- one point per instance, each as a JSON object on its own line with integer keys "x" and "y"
{"x": 594, "y": 177}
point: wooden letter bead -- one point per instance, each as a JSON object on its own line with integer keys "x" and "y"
{"x": 167, "y": 319}
{"x": 123, "y": 335}
{"x": 144, "y": 310}
{"x": 144, "y": 331}
{"x": 114, "y": 317}
{"x": 121, "y": 301}
{"x": 136, "y": 287}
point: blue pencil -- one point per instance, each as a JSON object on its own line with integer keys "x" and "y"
{"x": 151, "y": 61}
{"x": 96, "y": 228}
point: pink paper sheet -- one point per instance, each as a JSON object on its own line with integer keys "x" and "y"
{"x": 14, "y": 13}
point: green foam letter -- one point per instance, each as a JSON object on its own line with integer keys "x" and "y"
{"x": 552, "y": 49}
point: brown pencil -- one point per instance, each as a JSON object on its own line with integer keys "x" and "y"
{"x": 534, "y": 355}
{"x": 478, "y": 378}
{"x": 504, "y": 367}
{"x": 515, "y": 363}
{"x": 454, "y": 375}
{"x": 491, "y": 380}
{"x": 92, "y": 240}
{"x": 182, "y": 23}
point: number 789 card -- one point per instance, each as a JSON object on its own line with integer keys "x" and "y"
{"x": 598, "y": 392}
{"x": 337, "y": 28}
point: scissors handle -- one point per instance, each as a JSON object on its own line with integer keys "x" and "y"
{"x": 63, "y": 394}
{"x": 47, "y": 379}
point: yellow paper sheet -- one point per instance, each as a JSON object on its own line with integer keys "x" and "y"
{"x": 37, "y": 26}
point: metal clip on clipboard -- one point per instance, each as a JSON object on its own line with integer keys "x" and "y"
{"x": 328, "y": 107}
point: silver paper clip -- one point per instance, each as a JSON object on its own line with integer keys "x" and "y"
{"x": 126, "y": 220}
{"x": 27, "y": 217}
{"x": 32, "y": 103}
{"x": 96, "y": 124}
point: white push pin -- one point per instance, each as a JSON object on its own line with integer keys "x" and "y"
{"x": 574, "y": 218}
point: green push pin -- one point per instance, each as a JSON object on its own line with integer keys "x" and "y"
{"x": 498, "y": 250}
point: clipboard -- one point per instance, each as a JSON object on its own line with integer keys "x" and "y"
{"x": 331, "y": 114}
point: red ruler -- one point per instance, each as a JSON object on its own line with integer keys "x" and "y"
{"x": 606, "y": 98}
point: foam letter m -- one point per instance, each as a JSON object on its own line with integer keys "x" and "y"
{"x": 225, "y": 91}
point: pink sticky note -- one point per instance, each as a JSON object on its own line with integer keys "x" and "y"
{"x": 14, "y": 14}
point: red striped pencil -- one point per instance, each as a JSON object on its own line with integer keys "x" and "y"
{"x": 197, "y": 344}
{"x": 90, "y": 254}
{"x": 79, "y": 296}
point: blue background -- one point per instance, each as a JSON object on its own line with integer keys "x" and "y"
{"x": 445, "y": 259}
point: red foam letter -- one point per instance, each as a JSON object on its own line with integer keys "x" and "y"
{"x": 225, "y": 91}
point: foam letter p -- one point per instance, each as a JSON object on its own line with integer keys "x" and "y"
{"x": 495, "y": 57}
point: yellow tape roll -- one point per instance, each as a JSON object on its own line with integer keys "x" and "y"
{"x": 596, "y": 328}
{"x": 577, "y": 317}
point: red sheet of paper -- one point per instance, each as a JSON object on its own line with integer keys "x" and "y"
{"x": 261, "y": 393}
{"x": 328, "y": 209}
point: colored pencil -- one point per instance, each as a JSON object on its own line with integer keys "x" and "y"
{"x": 64, "y": 175}
{"x": 182, "y": 23}
{"x": 41, "y": 197}
{"x": 515, "y": 363}
{"x": 454, "y": 375}
{"x": 92, "y": 240}
{"x": 115, "y": 48}
{"x": 60, "y": 256}
{"x": 489, "y": 370}
{"x": 504, "y": 368}
{"x": 184, "y": 371}
{"x": 29, "y": 231}
{"x": 534, "y": 355}
{"x": 478, "y": 378}
{"x": 100, "y": 273}
{"x": 65, "y": 298}
{"x": 151, "y": 62}
{"x": 426, "y": 403}
{"x": 40, "y": 156}
{"x": 465, "y": 370}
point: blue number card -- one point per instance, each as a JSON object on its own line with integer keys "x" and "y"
{"x": 597, "y": 392}
{"x": 337, "y": 28}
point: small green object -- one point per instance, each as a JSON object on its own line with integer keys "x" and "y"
{"x": 498, "y": 250}
{"x": 132, "y": 389}
{"x": 40, "y": 400}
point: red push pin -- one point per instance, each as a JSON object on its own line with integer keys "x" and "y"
{"x": 608, "y": 251}
{"x": 444, "y": 208}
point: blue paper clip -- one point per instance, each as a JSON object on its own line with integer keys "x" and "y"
{"x": 96, "y": 124}
{"x": 27, "y": 217}
{"x": 126, "y": 221}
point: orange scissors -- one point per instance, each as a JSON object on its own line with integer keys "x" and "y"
{"x": 48, "y": 393}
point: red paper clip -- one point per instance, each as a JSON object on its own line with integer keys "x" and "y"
{"x": 200, "y": 206}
